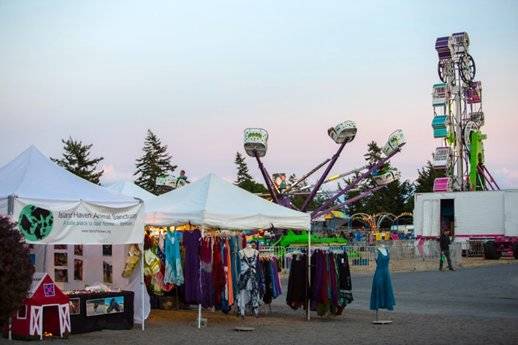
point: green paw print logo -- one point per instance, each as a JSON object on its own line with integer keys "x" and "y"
{"x": 35, "y": 223}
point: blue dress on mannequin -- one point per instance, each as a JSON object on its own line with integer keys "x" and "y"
{"x": 382, "y": 295}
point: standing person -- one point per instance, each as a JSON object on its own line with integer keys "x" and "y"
{"x": 182, "y": 179}
{"x": 444, "y": 242}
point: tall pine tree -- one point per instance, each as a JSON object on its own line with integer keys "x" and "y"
{"x": 76, "y": 159}
{"x": 243, "y": 177}
{"x": 154, "y": 163}
{"x": 242, "y": 169}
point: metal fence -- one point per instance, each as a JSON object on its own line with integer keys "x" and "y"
{"x": 365, "y": 255}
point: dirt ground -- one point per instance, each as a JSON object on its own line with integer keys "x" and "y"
{"x": 354, "y": 327}
{"x": 474, "y": 305}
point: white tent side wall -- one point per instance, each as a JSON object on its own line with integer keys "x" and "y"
{"x": 511, "y": 213}
{"x": 93, "y": 262}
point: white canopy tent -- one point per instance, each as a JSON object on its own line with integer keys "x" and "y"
{"x": 130, "y": 189}
{"x": 214, "y": 202}
{"x": 53, "y": 206}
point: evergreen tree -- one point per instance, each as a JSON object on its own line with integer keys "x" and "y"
{"x": 242, "y": 169}
{"x": 244, "y": 179}
{"x": 154, "y": 163}
{"x": 76, "y": 159}
{"x": 253, "y": 187}
{"x": 425, "y": 178}
{"x": 15, "y": 271}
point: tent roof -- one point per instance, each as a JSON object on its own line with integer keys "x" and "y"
{"x": 130, "y": 189}
{"x": 212, "y": 201}
{"x": 32, "y": 175}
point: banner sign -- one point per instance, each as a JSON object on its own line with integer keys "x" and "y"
{"x": 43, "y": 222}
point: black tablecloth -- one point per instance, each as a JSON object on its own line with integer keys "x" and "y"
{"x": 101, "y": 310}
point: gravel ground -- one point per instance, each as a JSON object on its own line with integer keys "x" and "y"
{"x": 469, "y": 306}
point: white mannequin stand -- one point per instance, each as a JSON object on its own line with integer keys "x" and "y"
{"x": 248, "y": 252}
{"x": 383, "y": 251}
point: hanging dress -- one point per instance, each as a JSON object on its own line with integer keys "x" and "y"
{"x": 173, "y": 260}
{"x": 382, "y": 295}
{"x": 191, "y": 268}
{"x": 248, "y": 286}
{"x": 207, "y": 291}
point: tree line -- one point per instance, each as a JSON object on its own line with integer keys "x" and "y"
{"x": 156, "y": 161}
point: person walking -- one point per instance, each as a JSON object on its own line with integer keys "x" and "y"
{"x": 444, "y": 243}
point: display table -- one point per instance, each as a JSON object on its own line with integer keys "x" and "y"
{"x": 95, "y": 311}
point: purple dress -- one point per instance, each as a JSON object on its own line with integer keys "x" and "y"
{"x": 191, "y": 242}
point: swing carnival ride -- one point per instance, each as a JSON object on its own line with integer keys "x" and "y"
{"x": 458, "y": 119}
{"x": 256, "y": 146}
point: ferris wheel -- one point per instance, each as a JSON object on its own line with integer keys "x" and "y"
{"x": 458, "y": 119}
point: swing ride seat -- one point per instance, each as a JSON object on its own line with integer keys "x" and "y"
{"x": 440, "y": 126}
{"x": 394, "y": 142}
{"x": 255, "y": 141}
{"x": 386, "y": 178}
{"x": 459, "y": 43}
{"x": 474, "y": 93}
{"x": 442, "y": 184}
{"x": 440, "y": 94}
{"x": 343, "y": 132}
{"x": 441, "y": 158}
{"x": 443, "y": 48}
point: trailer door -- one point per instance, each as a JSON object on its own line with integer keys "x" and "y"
{"x": 431, "y": 217}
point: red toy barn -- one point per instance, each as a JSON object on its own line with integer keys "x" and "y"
{"x": 44, "y": 311}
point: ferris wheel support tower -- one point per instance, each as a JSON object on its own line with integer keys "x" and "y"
{"x": 458, "y": 119}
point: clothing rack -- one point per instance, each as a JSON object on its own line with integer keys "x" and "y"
{"x": 205, "y": 233}
{"x": 309, "y": 250}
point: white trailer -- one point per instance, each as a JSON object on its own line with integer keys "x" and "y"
{"x": 467, "y": 214}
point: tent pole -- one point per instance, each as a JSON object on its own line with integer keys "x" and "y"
{"x": 142, "y": 286}
{"x": 199, "y": 305}
{"x": 308, "y": 314}
{"x": 10, "y": 328}
{"x": 199, "y": 316}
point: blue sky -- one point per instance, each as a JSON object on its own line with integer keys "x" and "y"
{"x": 199, "y": 72}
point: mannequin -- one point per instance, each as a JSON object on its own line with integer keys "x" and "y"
{"x": 382, "y": 295}
{"x": 248, "y": 251}
{"x": 248, "y": 296}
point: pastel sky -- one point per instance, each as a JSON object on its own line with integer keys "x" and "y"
{"x": 199, "y": 72}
